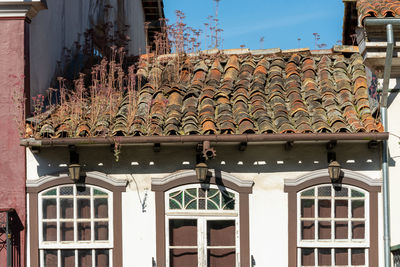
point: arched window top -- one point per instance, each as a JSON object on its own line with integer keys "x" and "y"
{"x": 332, "y": 190}
{"x": 187, "y": 177}
{"x": 71, "y": 190}
{"x": 197, "y": 198}
{"x": 320, "y": 177}
{"x": 92, "y": 178}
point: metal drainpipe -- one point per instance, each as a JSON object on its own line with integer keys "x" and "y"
{"x": 385, "y": 167}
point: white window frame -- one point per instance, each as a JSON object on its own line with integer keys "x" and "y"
{"x": 202, "y": 216}
{"x": 76, "y": 245}
{"x": 332, "y": 244}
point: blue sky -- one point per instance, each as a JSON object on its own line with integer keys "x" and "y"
{"x": 281, "y": 23}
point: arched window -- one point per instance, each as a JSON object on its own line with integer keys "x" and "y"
{"x": 202, "y": 224}
{"x": 333, "y": 224}
{"x": 75, "y": 224}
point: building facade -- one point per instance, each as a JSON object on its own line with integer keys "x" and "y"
{"x": 265, "y": 125}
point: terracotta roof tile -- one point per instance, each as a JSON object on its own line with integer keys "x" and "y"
{"x": 377, "y": 8}
{"x": 233, "y": 94}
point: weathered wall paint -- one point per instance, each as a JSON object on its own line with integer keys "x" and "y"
{"x": 12, "y": 156}
{"x": 64, "y": 23}
{"x": 266, "y": 165}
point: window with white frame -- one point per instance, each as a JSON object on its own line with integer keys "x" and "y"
{"x": 332, "y": 226}
{"x": 75, "y": 226}
{"x": 202, "y": 226}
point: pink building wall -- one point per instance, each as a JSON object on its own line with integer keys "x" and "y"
{"x": 13, "y": 76}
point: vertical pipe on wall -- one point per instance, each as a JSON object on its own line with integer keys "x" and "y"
{"x": 385, "y": 166}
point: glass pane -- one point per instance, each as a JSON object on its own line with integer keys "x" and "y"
{"x": 202, "y": 192}
{"x": 51, "y": 192}
{"x": 307, "y": 208}
{"x": 214, "y": 199}
{"x": 190, "y": 195}
{"x": 50, "y": 258}
{"x": 221, "y": 233}
{"x": 341, "y": 191}
{"x": 84, "y": 231}
{"x": 308, "y": 193}
{"x": 324, "y": 230}
{"x": 355, "y": 193}
{"x": 83, "y": 191}
{"x": 324, "y": 191}
{"x": 173, "y": 205}
{"x": 101, "y": 208}
{"x": 307, "y": 257}
{"x": 357, "y": 208}
{"x": 324, "y": 208}
{"x": 341, "y": 230}
{"x": 341, "y": 209}
{"x": 358, "y": 256}
{"x": 102, "y": 258}
{"x": 67, "y": 258}
{"x": 49, "y": 208}
{"x": 66, "y": 191}
{"x": 341, "y": 256}
{"x": 67, "y": 231}
{"x": 175, "y": 201}
{"x": 49, "y": 231}
{"x": 358, "y": 229}
{"x": 83, "y": 208}
{"x": 192, "y": 205}
{"x": 66, "y": 208}
{"x": 182, "y": 232}
{"x": 211, "y": 205}
{"x": 202, "y": 204}
{"x": 324, "y": 257}
{"x": 183, "y": 257}
{"x": 98, "y": 192}
{"x": 101, "y": 230}
{"x": 221, "y": 257}
{"x": 177, "y": 197}
{"x": 227, "y": 200}
{"x": 307, "y": 230}
{"x": 84, "y": 258}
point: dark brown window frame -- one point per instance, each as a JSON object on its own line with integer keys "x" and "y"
{"x": 292, "y": 191}
{"x": 34, "y": 191}
{"x": 217, "y": 179}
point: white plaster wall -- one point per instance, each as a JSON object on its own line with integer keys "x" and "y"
{"x": 266, "y": 165}
{"x": 394, "y": 160}
{"x": 64, "y": 23}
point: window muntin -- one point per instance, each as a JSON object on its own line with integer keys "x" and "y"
{"x": 75, "y": 226}
{"x": 202, "y": 226}
{"x": 333, "y": 226}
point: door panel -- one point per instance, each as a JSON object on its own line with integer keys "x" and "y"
{"x": 221, "y": 257}
{"x": 221, "y": 233}
{"x": 182, "y": 232}
{"x": 183, "y": 257}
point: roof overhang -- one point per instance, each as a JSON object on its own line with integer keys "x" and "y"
{"x": 182, "y": 139}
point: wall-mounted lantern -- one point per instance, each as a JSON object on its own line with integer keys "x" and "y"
{"x": 334, "y": 171}
{"x": 74, "y": 171}
{"x": 201, "y": 171}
